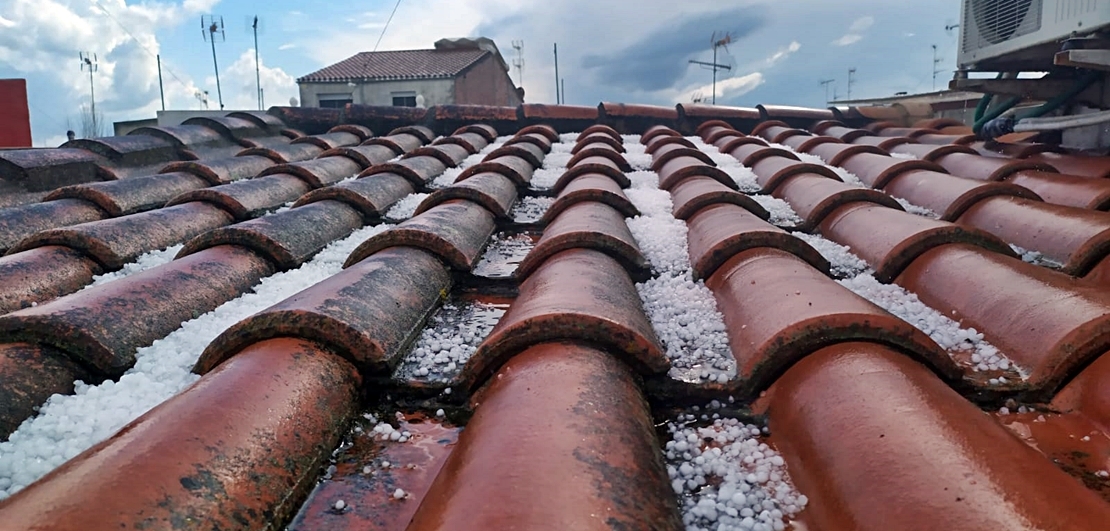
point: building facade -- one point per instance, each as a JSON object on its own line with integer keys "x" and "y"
{"x": 456, "y": 71}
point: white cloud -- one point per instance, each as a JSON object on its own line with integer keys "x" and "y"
{"x": 861, "y": 24}
{"x": 239, "y": 85}
{"x": 848, "y": 39}
{"x": 783, "y": 53}
{"x": 51, "y": 32}
{"x": 287, "y": 46}
{"x": 726, "y": 88}
{"x": 855, "y": 31}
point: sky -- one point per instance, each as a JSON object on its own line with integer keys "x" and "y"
{"x": 779, "y": 53}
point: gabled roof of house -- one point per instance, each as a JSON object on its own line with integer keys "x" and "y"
{"x": 398, "y": 64}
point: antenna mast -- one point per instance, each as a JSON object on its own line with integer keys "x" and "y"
{"x": 257, "y": 64}
{"x": 88, "y": 62}
{"x": 825, "y": 83}
{"x": 210, "y": 27}
{"x": 851, "y": 72}
{"x": 518, "y": 63}
{"x": 936, "y": 70}
{"x": 717, "y": 43}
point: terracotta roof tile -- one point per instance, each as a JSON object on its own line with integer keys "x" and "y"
{"x": 558, "y": 288}
{"x": 400, "y": 64}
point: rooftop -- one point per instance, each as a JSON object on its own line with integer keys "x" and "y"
{"x": 449, "y": 58}
{"x": 645, "y": 317}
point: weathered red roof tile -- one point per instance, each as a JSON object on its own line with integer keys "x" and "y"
{"x": 592, "y": 165}
{"x": 471, "y": 142}
{"x": 814, "y": 196}
{"x": 805, "y": 144}
{"x": 287, "y": 239}
{"x": 890, "y": 240}
{"x": 750, "y": 154}
{"x": 655, "y": 132}
{"x": 117, "y": 241}
{"x": 885, "y": 143}
{"x": 543, "y": 129}
{"x": 845, "y": 134}
{"x": 587, "y": 225}
{"x": 447, "y": 152}
{"x": 697, "y": 192}
{"x": 278, "y": 410}
{"x": 42, "y": 274}
{"x": 38, "y": 170}
{"x": 493, "y": 191}
{"x": 22, "y": 221}
{"x": 590, "y": 140}
{"x": 595, "y": 188}
{"x": 599, "y": 150}
{"x": 719, "y": 232}
{"x": 772, "y": 171}
{"x": 366, "y": 314}
{"x": 487, "y": 131}
{"x": 365, "y": 156}
{"x": 1045, "y": 321}
{"x": 676, "y": 169}
{"x": 525, "y": 150}
{"x": 941, "y": 139}
{"x": 1073, "y": 164}
{"x": 284, "y": 153}
{"x": 948, "y": 195}
{"x": 779, "y": 309}
{"x": 372, "y": 196}
{"x": 783, "y": 112}
{"x": 835, "y": 154}
{"x": 249, "y": 198}
{"x": 852, "y": 421}
{"x": 474, "y": 113}
{"x": 1077, "y": 238}
{"x": 878, "y": 170}
{"x": 418, "y": 170}
{"x": 572, "y": 405}
{"x": 517, "y": 169}
{"x": 540, "y": 111}
{"x": 598, "y": 128}
{"x": 716, "y": 112}
{"x": 30, "y": 373}
{"x": 1089, "y": 393}
{"x": 975, "y": 166}
{"x": 580, "y": 295}
{"x": 455, "y": 231}
{"x": 318, "y": 173}
{"x": 630, "y": 110}
{"x": 539, "y": 140}
{"x": 1068, "y": 190}
{"x": 86, "y": 325}
{"x": 221, "y": 171}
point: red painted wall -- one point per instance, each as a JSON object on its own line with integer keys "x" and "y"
{"x": 15, "y": 118}
{"x": 486, "y": 83}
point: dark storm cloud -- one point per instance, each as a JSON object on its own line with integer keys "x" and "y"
{"x": 659, "y": 59}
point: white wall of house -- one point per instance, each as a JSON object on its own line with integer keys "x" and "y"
{"x": 435, "y": 92}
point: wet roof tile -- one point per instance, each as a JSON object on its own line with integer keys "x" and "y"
{"x": 621, "y": 249}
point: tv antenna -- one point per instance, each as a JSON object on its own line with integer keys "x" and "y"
{"x": 936, "y": 67}
{"x": 825, "y": 83}
{"x": 949, "y": 27}
{"x": 202, "y": 97}
{"x": 212, "y": 28}
{"x": 255, "y": 25}
{"x": 851, "y": 73}
{"x": 716, "y": 43}
{"x": 89, "y": 62}
{"x": 518, "y": 63}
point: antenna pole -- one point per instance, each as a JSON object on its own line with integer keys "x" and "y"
{"x": 216, "y": 67}
{"x": 851, "y": 72}
{"x": 714, "y": 73}
{"x": 88, "y": 60}
{"x": 213, "y": 26}
{"x": 257, "y": 65}
{"x": 826, "y": 83}
{"x": 558, "y": 97}
{"x": 936, "y": 61}
{"x": 563, "y": 90}
{"x": 161, "y": 91}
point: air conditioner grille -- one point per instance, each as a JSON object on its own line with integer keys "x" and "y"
{"x": 997, "y": 21}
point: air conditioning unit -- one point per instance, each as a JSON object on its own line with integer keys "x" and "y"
{"x": 1008, "y": 35}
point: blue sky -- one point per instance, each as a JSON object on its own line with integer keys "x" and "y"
{"x": 608, "y": 50}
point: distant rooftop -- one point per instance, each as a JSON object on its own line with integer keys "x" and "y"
{"x": 449, "y": 58}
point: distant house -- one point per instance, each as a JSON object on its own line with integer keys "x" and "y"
{"x": 456, "y": 71}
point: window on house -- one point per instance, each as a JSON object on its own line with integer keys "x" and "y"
{"x": 404, "y": 99}
{"x": 334, "y": 101}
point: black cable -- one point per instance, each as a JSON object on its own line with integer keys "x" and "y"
{"x": 395, "y": 6}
